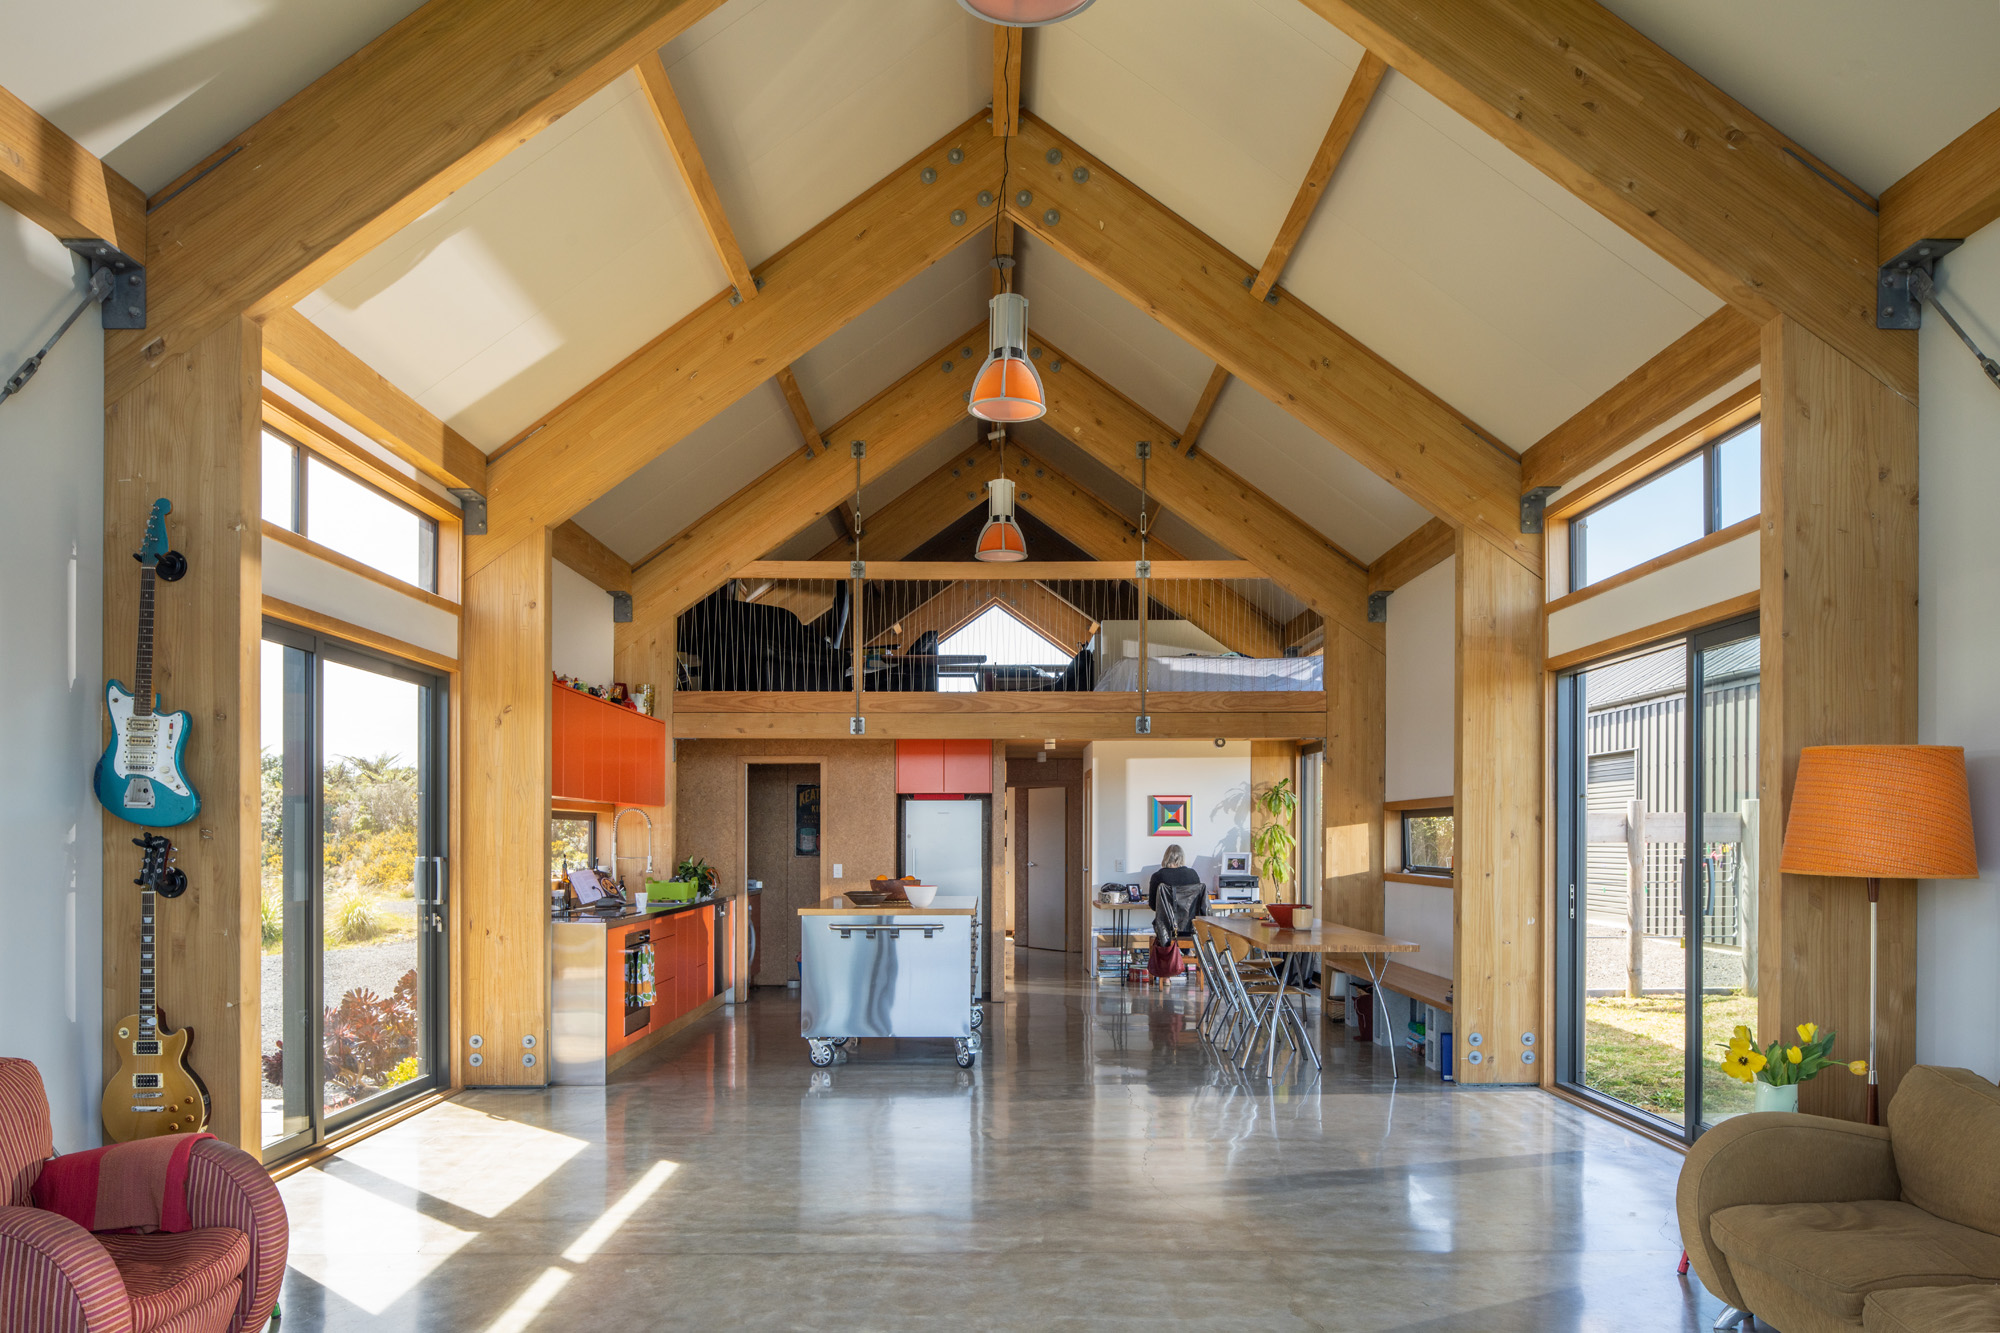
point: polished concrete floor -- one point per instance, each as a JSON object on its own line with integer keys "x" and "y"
{"x": 1100, "y": 1167}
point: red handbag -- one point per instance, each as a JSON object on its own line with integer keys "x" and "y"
{"x": 1165, "y": 960}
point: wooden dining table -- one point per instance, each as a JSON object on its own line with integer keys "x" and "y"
{"x": 1325, "y": 938}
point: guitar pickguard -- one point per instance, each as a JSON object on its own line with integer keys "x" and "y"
{"x": 140, "y": 777}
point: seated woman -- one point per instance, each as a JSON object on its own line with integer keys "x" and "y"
{"x": 1177, "y": 896}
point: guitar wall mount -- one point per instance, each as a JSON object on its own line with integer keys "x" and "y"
{"x": 160, "y": 874}
{"x": 173, "y": 566}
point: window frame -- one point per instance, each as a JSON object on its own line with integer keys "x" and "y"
{"x": 301, "y": 497}
{"x": 1703, "y": 456}
{"x": 1410, "y": 866}
{"x": 585, "y": 817}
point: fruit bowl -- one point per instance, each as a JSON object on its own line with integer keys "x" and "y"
{"x": 921, "y": 895}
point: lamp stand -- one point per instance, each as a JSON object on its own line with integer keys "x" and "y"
{"x": 1874, "y": 1089}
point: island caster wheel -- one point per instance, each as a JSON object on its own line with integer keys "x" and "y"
{"x": 840, "y": 1041}
{"x": 978, "y": 1015}
{"x": 967, "y": 1053}
{"x": 819, "y": 1052}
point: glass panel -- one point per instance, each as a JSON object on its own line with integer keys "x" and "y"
{"x": 996, "y": 637}
{"x": 1633, "y": 971}
{"x": 1664, "y": 513}
{"x": 371, "y": 830}
{"x": 572, "y": 842}
{"x": 281, "y": 459}
{"x": 1739, "y": 475}
{"x": 285, "y": 864}
{"x": 1312, "y": 817}
{"x": 356, "y": 521}
{"x": 1726, "y": 876}
{"x": 1428, "y": 842}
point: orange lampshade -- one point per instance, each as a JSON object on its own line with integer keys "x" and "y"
{"x": 1025, "y": 13}
{"x": 1007, "y": 390}
{"x": 1001, "y": 538}
{"x": 1881, "y": 812}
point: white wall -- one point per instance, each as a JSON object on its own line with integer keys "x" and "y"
{"x": 1127, "y": 773}
{"x": 292, "y": 575}
{"x": 580, "y": 633}
{"x": 51, "y": 681}
{"x": 1688, "y": 585}
{"x": 1421, "y": 647}
{"x": 1164, "y": 638}
{"x": 1958, "y": 633}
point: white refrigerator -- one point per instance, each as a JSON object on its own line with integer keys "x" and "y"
{"x": 948, "y": 843}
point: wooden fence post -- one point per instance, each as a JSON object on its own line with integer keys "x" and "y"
{"x": 1635, "y": 898}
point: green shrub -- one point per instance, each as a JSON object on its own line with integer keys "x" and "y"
{"x": 352, "y": 917}
{"x": 271, "y": 911}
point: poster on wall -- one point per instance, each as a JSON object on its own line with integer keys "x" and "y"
{"x": 805, "y": 821}
{"x": 1170, "y": 816}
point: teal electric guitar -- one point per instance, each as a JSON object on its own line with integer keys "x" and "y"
{"x": 140, "y": 778}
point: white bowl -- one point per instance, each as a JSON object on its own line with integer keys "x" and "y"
{"x": 920, "y": 894}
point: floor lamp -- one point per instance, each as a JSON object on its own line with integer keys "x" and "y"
{"x": 1879, "y": 812}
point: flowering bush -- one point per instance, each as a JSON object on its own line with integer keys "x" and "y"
{"x": 371, "y": 1044}
{"x": 1781, "y": 1065}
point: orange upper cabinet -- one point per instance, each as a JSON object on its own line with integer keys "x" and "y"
{"x": 606, "y": 752}
{"x": 944, "y": 768}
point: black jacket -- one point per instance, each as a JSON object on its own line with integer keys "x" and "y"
{"x": 1178, "y": 897}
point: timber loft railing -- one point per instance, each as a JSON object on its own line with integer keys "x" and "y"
{"x": 1034, "y": 648}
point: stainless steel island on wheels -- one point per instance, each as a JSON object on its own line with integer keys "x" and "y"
{"x": 888, "y": 970}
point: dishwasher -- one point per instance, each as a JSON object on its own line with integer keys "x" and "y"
{"x": 895, "y": 972}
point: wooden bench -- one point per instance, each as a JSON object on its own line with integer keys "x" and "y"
{"x": 1415, "y": 983}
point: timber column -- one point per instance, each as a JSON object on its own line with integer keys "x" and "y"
{"x": 1355, "y": 673}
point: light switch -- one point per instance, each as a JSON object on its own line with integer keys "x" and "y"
{"x": 836, "y": 870}
{"x": 1118, "y": 865}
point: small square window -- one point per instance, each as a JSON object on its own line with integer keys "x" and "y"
{"x": 572, "y": 842}
{"x": 1713, "y": 488}
{"x": 1428, "y": 842}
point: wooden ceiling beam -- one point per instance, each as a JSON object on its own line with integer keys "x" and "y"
{"x": 1346, "y": 119}
{"x": 718, "y": 353}
{"x": 591, "y": 558}
{"x": 921, "y": 512}
{"x": 366, "y": 149}
{"x": 62, "y": 187}
{"x": 1695, "y": 365}
{"x": 788, "y": 384}
{"x": 929, "y": 571}
{"x": 1954, "y": 193}
{"x": 674, "y": 127}
{"x": 1108, "y": 426}
{"x": 304, "y": 356}
{"x": 1661, "y": 151}
{"x": 1286, "y": 351}
{"x": 1422, "y": 550}
{"x": 1203, "y": 406}
{"x": 897, "y": 422}
{"x": 1007, "y": 58}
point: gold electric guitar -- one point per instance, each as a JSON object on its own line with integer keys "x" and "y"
{"x": 154, "y": 1092}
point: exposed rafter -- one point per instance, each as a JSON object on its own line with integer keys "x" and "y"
{"x": 895, "y": 424}
{"x": 1203, "y": 406}
{"x": 788, "y": 384}
{"x": 1695, "y": 365}
{"x": 1953, "y": 194}
{"x": 921, "y": 512}
{"x": 61, "y": 187}
{"x": 1424, "y": 549}
{"x": 720, "y": 352}
{"x": 1286, "y": 351}
{"x": 1346, "y": 119}
{"x": 1656, "y": 148}
{"x": 674, "y": 127}
{"x": 1007, "y": 57}
{"x": 307, "y": 359}
{"x": 366, "y": 149}
{"x": 582, "y": 552}
{"x": 1108, "y": 426}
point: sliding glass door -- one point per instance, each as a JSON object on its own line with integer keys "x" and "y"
{"x": 1656, "y": 790}
{"x": 354, "y": 874}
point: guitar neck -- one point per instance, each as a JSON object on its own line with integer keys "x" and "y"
{"x": 149, "y": 1022}
{"x": 142, "y": 676}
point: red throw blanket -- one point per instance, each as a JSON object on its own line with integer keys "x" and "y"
{"x": 137, "y": 1186}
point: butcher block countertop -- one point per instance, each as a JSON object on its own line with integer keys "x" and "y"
{"x": 945, "y": 904}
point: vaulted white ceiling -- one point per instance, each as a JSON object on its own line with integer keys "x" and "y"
{"x": 1436, "y": 246}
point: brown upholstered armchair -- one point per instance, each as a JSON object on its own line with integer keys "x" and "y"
{"x": 1822, "y": 1226}
{"x": 220, "y": 1277}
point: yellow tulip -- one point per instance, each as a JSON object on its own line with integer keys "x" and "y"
{"x": 1807, "y": 1031}
{"x": 1857, "y": 1067}
{"x": 1743, "y": 1035}
{"x": 1740, "y": 1044}
{"x": 1794, "y": 1054}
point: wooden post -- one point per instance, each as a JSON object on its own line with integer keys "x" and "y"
{"x": 1635, "y": 898}
{"x": 190, "y": 433}
{"x": 1351, "y": 780}
{"x": 1498, "y": 935}
{"x": 1746, "y": 892}
{"x": 1839, "y": 656}
{"x": 504, "y": 862}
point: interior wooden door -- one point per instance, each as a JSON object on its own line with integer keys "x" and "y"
{"x": 1048, "y": 854}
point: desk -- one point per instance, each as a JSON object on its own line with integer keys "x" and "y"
{"x": 1323, "y": 939}
{"x": 1121, "y": 927}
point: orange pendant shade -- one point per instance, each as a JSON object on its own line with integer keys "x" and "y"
{"x": 1025, "y": 13}
{"x": 1007, "y": 387}
{"x": 1001, "y": 538}
{"x": 1881, "y": 812}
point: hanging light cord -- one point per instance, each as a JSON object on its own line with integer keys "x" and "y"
{"x": 1006, "y": 165}
{"x": 1144, "y": 454}
{"x": 1925, "y": 290}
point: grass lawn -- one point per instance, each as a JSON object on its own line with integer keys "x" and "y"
{"x": 1634, "y": 1050}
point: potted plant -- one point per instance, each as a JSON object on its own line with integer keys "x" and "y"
{"x": 1274, "y": 844}
{"x": 1777, "y": 1070}
{"x": 692, "y": 878}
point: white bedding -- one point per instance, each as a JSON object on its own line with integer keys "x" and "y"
{"x": 1216, "y": 673}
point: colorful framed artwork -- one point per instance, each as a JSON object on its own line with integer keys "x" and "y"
{"x": 1170, "y": 816}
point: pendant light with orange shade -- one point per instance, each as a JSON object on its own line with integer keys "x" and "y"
{"x": 1000, "y": 539}
{"x": 1025, "y": 13}
{"x": 1007, "y": 387}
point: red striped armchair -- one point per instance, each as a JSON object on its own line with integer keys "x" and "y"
{"x": 221, "y": 1276}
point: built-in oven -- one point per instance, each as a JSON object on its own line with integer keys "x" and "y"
{"x": 640, "y": 995}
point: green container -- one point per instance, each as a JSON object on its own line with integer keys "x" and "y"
{"x": 672, "y": 890}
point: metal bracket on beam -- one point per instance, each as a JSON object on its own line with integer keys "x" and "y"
{"x": 1142, "y": 570}
{"x": 1142, "y": 725}
{"x": 736, "y": 293}
{"x": 857, "y": 726}
{"x": 1531, "y": 507}
{"x": 125, "y": 308}
{"x": 1378, "y": 607}
{"x": 1270, "y": 297}
{"x": 857, "y": 569}
{"x": 621, "y": 608}
{"x": 472, "y": 510}
{"x": 1896, "y": 306}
